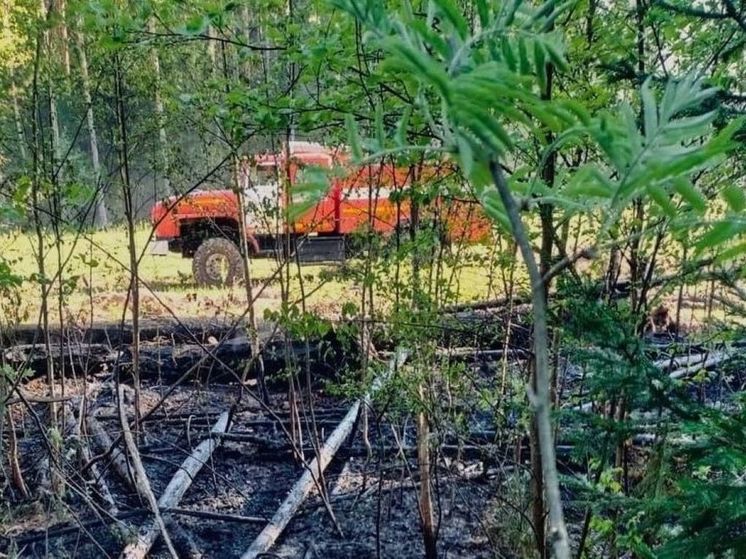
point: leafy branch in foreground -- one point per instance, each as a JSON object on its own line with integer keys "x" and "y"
{"x": 480, "y": 87}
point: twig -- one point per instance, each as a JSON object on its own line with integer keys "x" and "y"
{"x": 176, "y": 489}
{"x": 141, "y": 479}
{"x": 303, "y": 486}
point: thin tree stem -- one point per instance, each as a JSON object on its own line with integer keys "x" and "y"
{"x": 541, "y": 396}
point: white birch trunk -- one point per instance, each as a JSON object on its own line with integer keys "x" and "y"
{"x": 101, "y": 215}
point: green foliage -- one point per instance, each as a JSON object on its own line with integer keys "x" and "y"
{"x": 311, "y": 187}
{"x": 481, "y": 90}
{"x": 689, "y": 500}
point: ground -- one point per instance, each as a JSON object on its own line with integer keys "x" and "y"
{"x": 373, "y": 497}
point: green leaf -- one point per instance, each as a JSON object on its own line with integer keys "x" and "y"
{"x": 525, "y": 65}
{"x": 424, "y": 67}
{"x": 544, "y": 10}
{"x": 380, "y": 129}
{"x": 311, "y": 187}
{"x": 589, "y": 182}
{"x": 484, "y": 126}
{"x": 556, "y": 55}
{"x": 353, "y": 138}
{"x": 508, "y": 54}
{"x": 196, "y": 25}
{"x": 721, "y": 232}
{"x": 541, "y": 66}
{"x": 731, "y": 253}
{"x": 511, "y": 9}
{"x": 662, "y": 198}
{"x": 431, "y": 38}
{"x": 402, "y": 127}
{"x": 494, "y": 208}
{"x": 453, "y": 14}
{"x": 465, "y": 154}
{"x": 484, "y": 12}
{"x": 685, "y": 128}
{"x": 735, "y": 197}
{"x": 687, "y": 191}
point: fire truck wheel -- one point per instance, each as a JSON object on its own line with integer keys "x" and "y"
{"x": 217, "y": 262}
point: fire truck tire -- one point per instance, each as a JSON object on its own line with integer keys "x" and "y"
{"x": 217, "y": 262}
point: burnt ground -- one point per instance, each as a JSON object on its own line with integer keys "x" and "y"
{"x": 374, "y": 500}
{"x": 480, "y": 471}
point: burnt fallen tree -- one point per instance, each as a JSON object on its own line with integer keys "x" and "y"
{"x": 216, "y": 361}
{"x": 310, "y": 478}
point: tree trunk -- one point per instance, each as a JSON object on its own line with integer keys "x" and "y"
{"x": 541, "y": 397}
{"x": 17, "y": 119}
{"x": 101, "y": 215}
{"x": 546, "y": 214}
{"x": 426, "y": 495}
{"x": 64, "y": 37}
{"x": 160, "y": 116}
{"x": 36, "y": 199}
{"x": 129, "y": 211}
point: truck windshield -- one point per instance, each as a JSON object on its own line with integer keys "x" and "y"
{"x": 262, "y": 174}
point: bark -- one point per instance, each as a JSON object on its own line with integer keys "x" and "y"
{"x": 160, "y": 116}
{"x": 247, "y": 272}
{"x": 18, "y": 122}
{"x": 546, "y": 214}
{"x": 105, "y": 444}
{"x": 541, "y": 397}
{"x": 129, "y": 211}
{"x": 16, "y": 474}
{"x": 65, "y": 37}
{"x": 177, "y": 487}
{"x": 100, "y": 216}
{"x": 141, "y": 478}
{"x": 425, "y": 496}
{"x": 36, "y": 199}
{"x": 211, "y": 51}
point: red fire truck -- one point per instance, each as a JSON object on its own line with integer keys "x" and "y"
{"x": 204, "y": 225}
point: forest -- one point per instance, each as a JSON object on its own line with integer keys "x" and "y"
{"x": 372, "y": 278}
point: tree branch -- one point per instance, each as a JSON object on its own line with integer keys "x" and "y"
{"x": 541, "y": 399}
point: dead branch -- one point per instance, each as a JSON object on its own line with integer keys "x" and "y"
{"x": 266, "y": 539}
{"x": 176, "y": 489}
{"x": 141, "y": 478}
{"x": 73, "y": 427}
{"x": 303, "y": 486}
{"x": 104, "y": 442}
{"x": 714, "y": 359}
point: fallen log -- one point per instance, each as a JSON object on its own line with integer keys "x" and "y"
{"x": 176, "y": 488}
{"x": 266, "y": 539}
{"x": 142, "y": 483}
{"x": 168, "y": 361}
{"x": 79, "y": 358}
{"x": 713, "y": 359}
{"x": 671, "y": 363}
{"x": 65, "y": 529}
{"x": 678, "y": 368}
{"x": 104, "y": 442}
{"x": 115, "y": 333}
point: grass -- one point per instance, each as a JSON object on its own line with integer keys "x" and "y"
{"x": 96, "y": 280}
